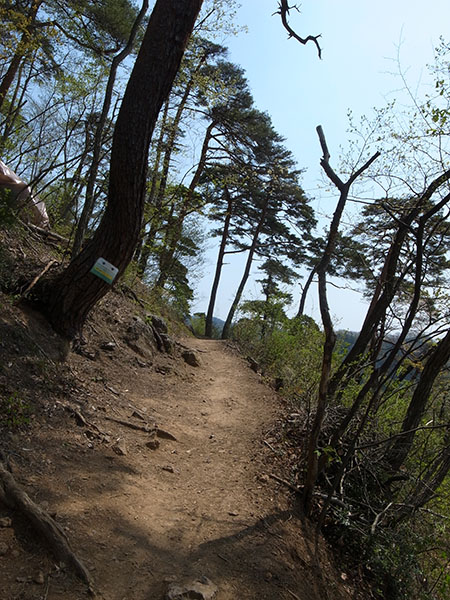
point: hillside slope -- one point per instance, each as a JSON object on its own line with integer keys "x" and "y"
{"x": 91, "y": 443}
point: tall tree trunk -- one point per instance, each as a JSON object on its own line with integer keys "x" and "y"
{"x": 21, "y": 51}
{"x": 98, "y": 137}
{"x": 416, "y": 408}
{"x": 428, "y": 485}
{"x": 301, "y": 308}
{"x": 330, "y": 336}
{"x": 173, "y": 131}
{"x": 175, "y": 223}
{"x": 143, "y": 249}
{"x": 227, "y": 326}
{"x": 219, "y": 264}
{"x": 386, "y": 287}
{"x": 68, "y": 299}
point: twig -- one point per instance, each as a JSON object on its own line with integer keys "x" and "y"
{"x": 292, "y": 594}
{"x": 270, "y": 446}
{"x": 81, "y": 420}
{"x": 291, "y": 486}
{"x": 222, "y": 557}
{"x": 47, "y": 588}
{"x": 112, "y": 390}
{"x": 378, "y": 517}
{"x": 46, "y": 232}
{"x": 35, "y": 280}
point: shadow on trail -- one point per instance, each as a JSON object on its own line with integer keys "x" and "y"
{"x": 263, "y": 560}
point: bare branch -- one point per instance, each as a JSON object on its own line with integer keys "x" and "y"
{"x": 283, "y": 11}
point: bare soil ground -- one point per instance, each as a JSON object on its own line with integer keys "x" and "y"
{"x": 140, "y": 517}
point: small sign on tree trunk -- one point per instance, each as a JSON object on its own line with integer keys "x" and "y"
{"x": 104, "y": 270}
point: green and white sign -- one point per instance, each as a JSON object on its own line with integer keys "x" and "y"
{"x": 104, "y": 270}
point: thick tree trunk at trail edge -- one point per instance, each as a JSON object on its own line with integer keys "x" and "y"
{"x": 68, "y": 298}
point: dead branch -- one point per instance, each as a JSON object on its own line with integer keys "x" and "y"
{"x": 83, "y": 422}
{"x": 18, "y": 499}
{"x": 298, "y": 489}
{"x": 162, "y": 433}
{"x": 379, "y": 516}
{"x": 48, "y": 234}
{"x": 283, "y": 11}
{"x": 147, "y": 428}
{"x": 270, "y": 446}
{"x": 47, "y": 267}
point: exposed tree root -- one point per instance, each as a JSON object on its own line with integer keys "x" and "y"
{"x": 15, "y": 497}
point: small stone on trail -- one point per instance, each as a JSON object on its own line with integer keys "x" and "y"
{"x": 153, "y": 444}
{"x": 5, "y": 522}
{"x": 233, "y": 513}
{"x": 108, "y": 346}
{"x": 168, "y": 468}
{"x": 201, "y": 588}
{"x": 165, "y": 435}
{"x": 120, "y": 448}
{"x": 263, "y": 478}
{"x": 191, "y": 358}
{"x": 3, "y": 548}
{"x": 39, "y": 578}
{"x": 138, "y": 415}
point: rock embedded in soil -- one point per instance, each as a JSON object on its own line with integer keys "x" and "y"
{"x": 158, "y": 323}
{"x": 153, "y": 444}
{"x": 39, "y": 578}
{"x": 108, "y": 346}
{"x": 3, "y": 548}
{"x": 201, "y": 589}
{"x": 191, "y": 358}
{"x": 119, "y": 448}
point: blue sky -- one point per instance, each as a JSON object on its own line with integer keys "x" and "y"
{"x": 361, "y": 43}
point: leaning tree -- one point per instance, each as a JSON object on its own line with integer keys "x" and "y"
{"x": 68, "y": 298}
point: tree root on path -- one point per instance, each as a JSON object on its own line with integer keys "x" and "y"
{"x": 162, "y": 433}
{"x": 16, "y": 498}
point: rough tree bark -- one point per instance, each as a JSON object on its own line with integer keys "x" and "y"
{"x": 98, "y": 137}
{"x": 68, "y": 299}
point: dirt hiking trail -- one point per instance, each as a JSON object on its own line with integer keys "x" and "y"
{"x": 144, "y": 512}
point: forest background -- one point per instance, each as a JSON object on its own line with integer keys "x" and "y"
{"x": 374, "y": 411}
